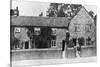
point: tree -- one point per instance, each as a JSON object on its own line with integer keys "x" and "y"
{"x": 75, "y": 8}
{"x": 91, "y": 13}
{"x": 52, "y": 11}
{"x": 63, "y": 10}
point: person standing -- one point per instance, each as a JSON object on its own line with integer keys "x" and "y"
{"x": 63, "y": 49}
{"x": 67, "y": 37}
{"x": 78, "y": 47}
{"x": 65, "y": 43}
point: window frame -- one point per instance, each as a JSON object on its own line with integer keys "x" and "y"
{"x": 53, "y": 31}
{"x": 77, "y": 27}
{"x": 17, "y": 29}
{"x": 88, "y": 27}
{"x": 37, "y": 31}
{"x": 53, "y": 43}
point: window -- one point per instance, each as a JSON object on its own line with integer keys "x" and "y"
{"x": 77, "y": 28}
{"x": 17, "y": 30}
{"x": 88, "y": 27}
{"x": 53, "y": 31}
{"x": 53, "y": 43}
{"x": 37, "y": 31}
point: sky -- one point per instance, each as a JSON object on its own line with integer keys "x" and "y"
{"x": 30, "y": 8}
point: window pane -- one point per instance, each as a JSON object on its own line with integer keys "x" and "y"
{"x": 87, "y": 28}
{"x": 17, "y": 30}
{"x": 53, "y": 31}
{"x": 77, "y": 28}
{"x": 37, "y": 31}
{"x": 53, "y": 43}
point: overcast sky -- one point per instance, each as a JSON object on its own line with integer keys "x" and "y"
{"x": 30, "y": 8}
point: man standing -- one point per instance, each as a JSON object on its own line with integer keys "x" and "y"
{"x": 67, "y": 37}
{"x": 63, "y": 49}
{"x": 65, "y": 43}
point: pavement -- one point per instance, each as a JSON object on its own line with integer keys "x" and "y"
{"x": 26, "y": 63}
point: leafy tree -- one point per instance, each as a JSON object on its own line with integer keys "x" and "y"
{"x": 63, "y": 10}
{"x": 52, "y": 11}
{"x": 91, "y": 13}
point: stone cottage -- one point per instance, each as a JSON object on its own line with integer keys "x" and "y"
{"x": 82, "y": 26}
{"x": 54, "y": 34}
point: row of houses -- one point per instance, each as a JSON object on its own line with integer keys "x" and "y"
{"x": 48, "y": 32}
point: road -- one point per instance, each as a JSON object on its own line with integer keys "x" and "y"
{"x": 52, "y": 61}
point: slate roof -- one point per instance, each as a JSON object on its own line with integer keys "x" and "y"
{"x": 39, "y": 21}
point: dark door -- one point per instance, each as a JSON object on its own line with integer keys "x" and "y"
{"x": 26, "y": 45}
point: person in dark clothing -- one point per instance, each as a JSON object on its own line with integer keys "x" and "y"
{"x": 67, "y": 35}
{"x": 63, "y": 45}
{"x": 67, "y": 38}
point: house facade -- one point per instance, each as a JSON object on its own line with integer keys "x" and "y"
{"x": 42, "y": 37}
{"x": 39, "y": 32}
{"x": 82, "y": 26}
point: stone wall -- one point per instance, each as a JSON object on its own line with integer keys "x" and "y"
{"x": 85, "y": 52}
{"x": 36, "y": 54}
{"x": 88, "y": 52}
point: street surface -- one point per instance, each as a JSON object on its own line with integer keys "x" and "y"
{"x": 52, "y": 61}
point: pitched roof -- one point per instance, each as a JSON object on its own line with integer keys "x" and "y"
{"x": 39, "y": 21}
{"x": 82, "y": 12}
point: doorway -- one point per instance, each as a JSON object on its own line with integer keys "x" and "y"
{"x": 26, "y": 44}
